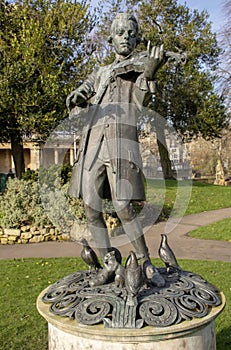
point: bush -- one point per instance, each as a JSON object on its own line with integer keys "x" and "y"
{"x": 38, "y": 203}
{"x": 66, "y": 172}
{"x": 30, "y": 175}
{"x": 21, "y": 205}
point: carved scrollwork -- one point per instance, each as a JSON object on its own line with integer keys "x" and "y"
{"x": 53, "y": 296}
{"x": 92, "y": 311}
{"x": 190, "y": 306}
{"x": 158, "y": 312}
{"x": 208, "y": 296}
{"x": 184, "y": 296}
{"x": 66, "y": 306}
{"x": 171, "y": 292}
{"x": 182, "y": 283}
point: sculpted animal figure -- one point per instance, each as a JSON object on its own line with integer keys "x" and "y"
{"x": 89, "y": 256}
{"x": 167, "y": 256}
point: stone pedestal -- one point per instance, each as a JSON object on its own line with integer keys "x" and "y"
{"x": 65, "y": 334}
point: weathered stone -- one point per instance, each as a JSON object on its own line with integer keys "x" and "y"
{"x": 12, "y": 238}
{"x": 52, "y": 231}
{"x": 26, "y": 235}
{"x": 37, "y": 233}
{"x": 4, "y": 240}
{"x": 19, "y": 241}
{"x": 25, "y": 228}
{"x": 12, "y": 232}
{"x": 64, "y": 237}
{"x": 43, "y": 231}
{"x": 35, "y": 239}
{"x": 47, "y": 234}
{"x": 24, "y": 241}
{"x": 10, "y": 242}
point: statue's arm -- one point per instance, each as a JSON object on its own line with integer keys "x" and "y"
{"x": 82, "y": 94}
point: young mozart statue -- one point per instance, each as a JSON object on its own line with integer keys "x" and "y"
{"x": 108, "y": 160}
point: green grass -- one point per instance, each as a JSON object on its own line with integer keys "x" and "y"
{"x": 22, "y": 280}
{"x": 187, "y": 197}
{"x": 219, "y": 230}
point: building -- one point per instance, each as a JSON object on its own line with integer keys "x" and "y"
{"x": 37, "y": 153}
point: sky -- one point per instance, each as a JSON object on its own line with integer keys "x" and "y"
{"x": 214, "y": 8}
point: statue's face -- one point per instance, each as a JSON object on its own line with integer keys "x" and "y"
{"x": 124, "y": 37}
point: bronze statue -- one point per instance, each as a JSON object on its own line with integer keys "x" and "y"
{"x": 109, "y": 165}
{"x": 108, "y": 160}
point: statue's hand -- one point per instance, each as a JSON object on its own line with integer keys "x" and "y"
{"x": 156, "y": 58}
{"x": 80, "y": 95}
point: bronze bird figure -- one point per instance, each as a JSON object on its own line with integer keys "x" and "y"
{"x": 134, "y": 278}
{"x": 89, "y": 256}
{"x": 167, "y": 256}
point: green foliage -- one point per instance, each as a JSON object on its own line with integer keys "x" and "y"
{"x": 29, "y": 202}
{"x": 43, "y": 52}
{"x": 187, "y": 94}
{"x": 66, "y": 173}
{"x": 42, "y": 55}
{"x": 30, "y": 175}
{"x": 21, "y": 205}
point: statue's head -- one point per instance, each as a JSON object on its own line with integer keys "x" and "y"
{"x": 124, "y": 34}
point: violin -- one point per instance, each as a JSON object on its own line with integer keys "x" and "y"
{"x": 137, "y": 61}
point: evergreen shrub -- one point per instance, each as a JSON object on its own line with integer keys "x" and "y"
{"x": 40, "y": 198}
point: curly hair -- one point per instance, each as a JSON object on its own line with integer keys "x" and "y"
{"x": 121, "y": 16}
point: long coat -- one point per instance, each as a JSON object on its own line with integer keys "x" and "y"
{"x": 112, "y": 113}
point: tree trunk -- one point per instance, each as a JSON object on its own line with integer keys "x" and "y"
{"x": 165, "y": 161}
{"x": 18, "y": 155}
{"x": 163, "y": 150}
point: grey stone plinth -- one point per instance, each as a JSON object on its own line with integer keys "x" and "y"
{"x": 65, "y": 334}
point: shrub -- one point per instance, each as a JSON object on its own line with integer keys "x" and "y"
{"x": 38, "y": 203}
{"x": 30, "y": 175}
{"x": 21, "y": 205}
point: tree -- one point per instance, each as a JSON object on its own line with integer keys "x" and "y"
{"x": 187, "y": 98}
{"x": 43, "y": 52}
{"x": 224, "y": 72}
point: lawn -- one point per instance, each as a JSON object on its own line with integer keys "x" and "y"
{"x": 187, "y": 197}
{"x": 220, "y": 231}
{"x": 22, "y": 280}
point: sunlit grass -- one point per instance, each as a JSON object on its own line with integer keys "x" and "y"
{"x": 187, "y": 197}
{"x": 220, "y": 230}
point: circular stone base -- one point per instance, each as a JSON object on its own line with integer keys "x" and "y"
{"x": 67, "y": 334}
